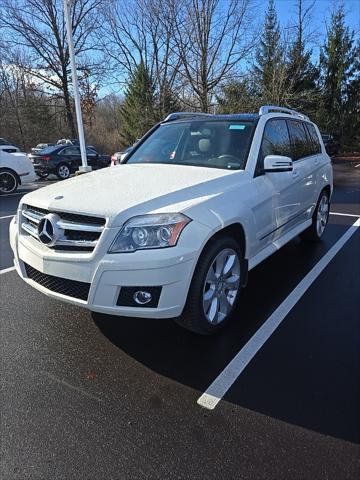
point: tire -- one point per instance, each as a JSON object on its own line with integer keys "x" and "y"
{"x": 8, "y": 181}
{"x": 210, "y": 303}
{"x": 320, "y": 219}
{"x": 63, "y": 171}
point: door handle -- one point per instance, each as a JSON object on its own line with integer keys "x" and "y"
{"x": 316, "y": 161}
{"x": 295, "y": 173}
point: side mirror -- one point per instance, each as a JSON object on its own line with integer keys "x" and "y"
{"x": 277, "y": 163}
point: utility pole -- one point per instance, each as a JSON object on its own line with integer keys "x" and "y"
{"x": 84, "y": 167}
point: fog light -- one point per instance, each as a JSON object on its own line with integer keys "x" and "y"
{"x": 142, "y": 297}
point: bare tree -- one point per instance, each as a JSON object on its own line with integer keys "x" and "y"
{"x": 142, "y": 31}
{"x": 38, "y": 26}
{"x": 212, "y": 39}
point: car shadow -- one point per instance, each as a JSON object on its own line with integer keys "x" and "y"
{"x": 195, "y": 361}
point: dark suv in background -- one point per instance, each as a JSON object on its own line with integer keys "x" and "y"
{"x": 63, "y": 160}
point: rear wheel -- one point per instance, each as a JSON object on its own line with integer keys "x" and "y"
{"x": 215, "y": 287}
{"x": 63, "y": 171}
{"x": 319, "y": 219}
{"x": 8, "y": 181}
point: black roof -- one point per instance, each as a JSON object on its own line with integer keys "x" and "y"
{"x": 250, "y": 117}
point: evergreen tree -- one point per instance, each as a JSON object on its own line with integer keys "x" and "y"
{"x": 137, "y": 114}
{"x": 339, "y": 62}
{"x": 301, "y": 73}
{"x": 237, "y": 97}
{"x": 269, "y": 55}
{"x": 167, "y": 102}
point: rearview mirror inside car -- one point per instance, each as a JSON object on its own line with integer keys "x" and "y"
{"x": 277, "y": 163}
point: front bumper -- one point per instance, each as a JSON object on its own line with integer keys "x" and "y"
{"x": 170, "y": 268}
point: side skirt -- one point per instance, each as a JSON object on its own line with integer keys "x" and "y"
{"x": 278, "y": 243}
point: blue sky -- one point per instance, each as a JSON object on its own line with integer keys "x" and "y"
{"x": 321, "y": 12}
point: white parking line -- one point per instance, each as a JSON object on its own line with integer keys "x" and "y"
{"x": 358, "y": 165}
{"x": 227, "y": 377}
{"x": 345, "y": 214}
{"x": 7, "y": 216}
{"x": 6, "y": 270}
{"x": 16, "y": 193}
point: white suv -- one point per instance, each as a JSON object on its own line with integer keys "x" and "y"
{"x": 172, "y": 233}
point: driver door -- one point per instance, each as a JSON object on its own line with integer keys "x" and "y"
{"x": 278, "y": 191}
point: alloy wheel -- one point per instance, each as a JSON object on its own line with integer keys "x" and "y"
{"x": 221, "y": 286}
{"x": 63, "y": 171}
{"x": 7, "y": 182}
{"x": 322, "y": 215}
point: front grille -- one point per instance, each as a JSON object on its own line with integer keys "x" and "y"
{"x": 73, "y": 232}
{"x": 70, "y": 288}
{"x": 71, "y": 217}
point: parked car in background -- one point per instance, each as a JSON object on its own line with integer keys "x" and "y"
{"x": 15, "y": 169}
{"x": 7, "y": 147}
{"x": 119, "y": 157}
{"x": 331, "y": 144}
{"x": 63, "y": 160}
{"x": 41, "y": 146}
{"x": 173, "y": 232}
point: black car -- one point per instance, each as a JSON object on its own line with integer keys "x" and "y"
{"x": 63, "y": 160}
{"x": 331, "y": 144}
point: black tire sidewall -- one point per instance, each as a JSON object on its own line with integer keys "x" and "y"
{"x": 6, "y": 170}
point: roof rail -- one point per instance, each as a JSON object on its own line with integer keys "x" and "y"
{"x": 178, "y": 115}
{"x": 274, "y": 108}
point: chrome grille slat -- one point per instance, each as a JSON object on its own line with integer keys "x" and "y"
{"x": 90, "y": 230}
{"x": 33, "y": 216}
{"x": 82, "y": 227}
{"x": 30, "y": 229}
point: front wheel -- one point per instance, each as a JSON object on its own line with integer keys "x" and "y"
{"x": 319, "y": 219}
{"x": 8, "y": 181}
{"x": 215, "y": 287}
{"x": 63, "y": 171}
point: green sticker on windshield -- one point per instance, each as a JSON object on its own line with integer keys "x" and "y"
{"x": 237, "y": 126}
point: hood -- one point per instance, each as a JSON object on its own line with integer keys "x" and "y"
{"x": 127, "y": 190}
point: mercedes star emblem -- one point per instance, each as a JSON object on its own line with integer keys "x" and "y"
{"x": 48, "y": 231}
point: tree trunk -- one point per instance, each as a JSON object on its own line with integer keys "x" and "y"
{"x": 68, "y": 111}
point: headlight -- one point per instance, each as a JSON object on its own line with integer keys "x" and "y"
{"x": 150, "y": 231}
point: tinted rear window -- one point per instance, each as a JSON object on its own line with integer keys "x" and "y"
{"x": 301, "y": 145}
{"x": 49, "y": 150}
{"x": 314, "y": 138}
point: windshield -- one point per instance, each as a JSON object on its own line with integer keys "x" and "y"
{"x": 4, "y": 142}
{"x": 213, "y": 144}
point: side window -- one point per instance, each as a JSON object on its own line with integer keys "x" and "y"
{"x": 70, "y": 151}
{"x": 276, "y": 139}
{"x": 301, "y": 146}
{"x": 314, "y": 138}
{"x": 90, "y": 152}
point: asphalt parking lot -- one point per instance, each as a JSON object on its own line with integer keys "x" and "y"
{"x": 85, "y": 396}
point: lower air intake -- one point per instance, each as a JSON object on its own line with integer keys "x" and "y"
{"x": 70, "y": 288}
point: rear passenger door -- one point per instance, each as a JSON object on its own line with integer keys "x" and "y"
{"x": 303, "y": 155}
{"x": 71, "y": 155}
